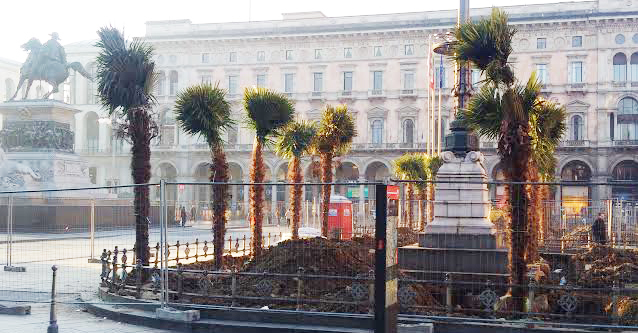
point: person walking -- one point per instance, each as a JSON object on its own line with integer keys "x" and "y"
{"x": 183, "y": 215}
{"x": 598, "y": 229}
{"x": 193, "y": 213}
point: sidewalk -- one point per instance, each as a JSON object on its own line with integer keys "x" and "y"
{"x": 71, "y": 319}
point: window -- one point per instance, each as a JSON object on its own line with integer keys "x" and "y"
{"x": 206, "y": 79}
{"x": 261, "y": 56}
{"x": 93, "y": 175}
{"x": 627, "y": 119}
{"x": 232, "y": 57}
{"x": 173, "y": 83}
{"x": 408, "y": 49}
{"x": 232, "y": 84}
{"x": 288, "y": 54}
{"x": 205, "y": 58}
{"x": 288, "y": 82}
{"x": 408, "y": 80}
{"x": 620, "y": 39}
{"x": 377, "y": 81}
{"x": 576, "y": 72}
{"x": 633, "y": 67}
{"x": 620, "y": 67}
{"x": 347, "y": 52}
{"x": 160, "y": 88}
{"x": 261, "y": 80}
{"x": 577, "y": 41}
{"x": 347, "y": 81}
{"x": 377, "y": 51}
{"x": 408, "y": 131}
{"x": 577, "y": 127}
{"x": 317, "y": 54}
{"x": 439, "y": 77}
{"x": 317, "y": 82}
{"x": 476, "y": 78}
{"x": 377, "y": 131}
{"x": 541, "y": 43}
{"x": 541, "y": 73}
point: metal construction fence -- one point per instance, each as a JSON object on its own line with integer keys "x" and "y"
{"x": 90, "y": 234}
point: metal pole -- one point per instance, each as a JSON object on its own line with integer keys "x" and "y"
{"x": 92, "y": 228}
{"x": 8, "y": 264}
{"x": 53, "y": 323}
{"x": 162, "y": 243}
{"x": 386, "y": 306}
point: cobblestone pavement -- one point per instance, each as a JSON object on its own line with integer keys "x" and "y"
{"x": 71, "y": 319}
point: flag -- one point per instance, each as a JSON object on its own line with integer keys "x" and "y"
{"x": 430, "y": 67}
{"x": 441, "y": 73}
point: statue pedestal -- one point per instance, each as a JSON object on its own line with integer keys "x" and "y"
{"x": 39, "y": 135}
{"x": 461, "y": 238}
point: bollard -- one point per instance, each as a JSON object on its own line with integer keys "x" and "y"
{"x": 180, "y": 281}
{"x": 196, "y": 248}
{"x": 53, "y": 322}
{"x": 300, "y": 271}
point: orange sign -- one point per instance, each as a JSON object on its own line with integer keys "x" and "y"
{"x": 393, "y": 192}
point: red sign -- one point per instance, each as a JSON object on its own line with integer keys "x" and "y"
{"x": 393, "y": 192}
{"x": 181, "y": 187}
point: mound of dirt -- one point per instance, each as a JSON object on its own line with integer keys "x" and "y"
{"x": 600, "y": 266}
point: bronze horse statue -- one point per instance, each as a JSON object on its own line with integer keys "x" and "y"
{"x": 38, "y": 67}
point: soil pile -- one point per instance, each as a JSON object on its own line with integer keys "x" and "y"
{"x": 601, "y": 265}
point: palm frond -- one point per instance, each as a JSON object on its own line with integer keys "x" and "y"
{"x": 484, "y": 113}
{"x": 296, "y": 139}
{"x": 336, "y": 130}
{"x": 125, "y": 72}
{"x": 267, "y": 112}
{"x": 487, "y": 44}
{"x": 416, "y": 166}
{"x": 203, "y": 110}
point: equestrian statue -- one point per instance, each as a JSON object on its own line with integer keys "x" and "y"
{"x": 46, "y": 62}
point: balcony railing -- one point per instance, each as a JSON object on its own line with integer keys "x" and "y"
{"x": 345, "y": 94}
{"x": 407, "y": 93}
{"x": 574, "y": 143}
{"x": 316, "y": 95}
{"x": 626, "y": 143}
{"x": 376, "y": 93}
{"x": 387, "y": 146}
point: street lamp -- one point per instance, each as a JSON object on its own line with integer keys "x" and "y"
{"x": 460, "y": 140}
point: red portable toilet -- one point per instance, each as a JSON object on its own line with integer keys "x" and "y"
{"x": 340, "y": 217}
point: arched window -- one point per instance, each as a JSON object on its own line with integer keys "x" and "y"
{"x": 620, "y": 67}
{"x": 377, "y": 131}
{"x": 91, "y": 87}
{"x": 160, "y": 88}
{"x": 627, "y": 119}
{"x": 576, "y": 171}
{"x": 625, "y": 171}
{"x": 408, "y": 131}
{"x": 633, "y": 69}
{"x": 577, "y": 127}
{"x": 8, "y": 88}
{"x": 173, "y": 83}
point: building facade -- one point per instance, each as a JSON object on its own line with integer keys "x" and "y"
{"x": 585, "y": 53}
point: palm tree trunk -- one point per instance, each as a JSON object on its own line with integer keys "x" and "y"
{"x": 295, "y": 177}
{"x": 140, "y": 132}
{"x": 408, "y": 209}
{"x": 256, "y": 193}
{"x": 219, "y": 174}
{"x": 423, "y": 214}
{"x": 430, "y": 199}
{"x": 326, "y": 178}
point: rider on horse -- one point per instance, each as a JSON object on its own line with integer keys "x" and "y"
{"x": 52, "y": 50}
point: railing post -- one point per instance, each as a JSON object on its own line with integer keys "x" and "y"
{"x": 114, "y": 270}
{"x": 300, "y": 271}
{"x": 138, "y": 279}
{"x": 448, "y": 292}
{"x": 233, "y": 286}
{"x": 180, "y": 281}
{"x": 386, "y": 306}
{"x": 163, "y": 248}
{"x": 92, "y": 259}
{"x": 53, "y": 322}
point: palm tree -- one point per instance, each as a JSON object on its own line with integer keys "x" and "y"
{"x": 126, "y": 77}
{"x": 296, "y": 141}
{"x": 511, "y": 112}
{"x": 267, "y": 112}
{"x": 336, "y": 131}
{"x": 203, "y": 110}
{"x": 433, "y": 164}
{"x": 411, "y": 167}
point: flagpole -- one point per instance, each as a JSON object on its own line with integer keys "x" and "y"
{"x": 431, "y": 120}
{"x": 427, "y": 89}
{"x": 439, "y": 129}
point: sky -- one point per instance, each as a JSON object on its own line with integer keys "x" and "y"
{"x": 78, "y": 20}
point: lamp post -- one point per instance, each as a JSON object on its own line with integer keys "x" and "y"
{"x": 460, "y": 140}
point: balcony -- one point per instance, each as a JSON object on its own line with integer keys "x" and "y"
{"x": 488, "y": 145}
{"x": 576, "y": 87}
{"x": 388, "y": 146}
{"x": 406, "y": 93}
{"x": 574, "y": 143}
{"x": 625, "y": 143}
{"x": 346, "y": 94}
{"x": 376, "y": 93}
{"x": 317, "y": 95}
{"x": 289, "y": 95}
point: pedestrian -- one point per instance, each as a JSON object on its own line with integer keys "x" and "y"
{"x": 193, "y": 213}
{"x": 598, "y": 229}
{"x": 183, "y": 213}
{"x": 287, "y": 217}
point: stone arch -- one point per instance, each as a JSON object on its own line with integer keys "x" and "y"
{"x": 625, "y": 171}
{"x": 346, "y": 172}
{"x": 571, "y": 161}
{"x": 373, "y": 161}
{"x": 167, "y": 170}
